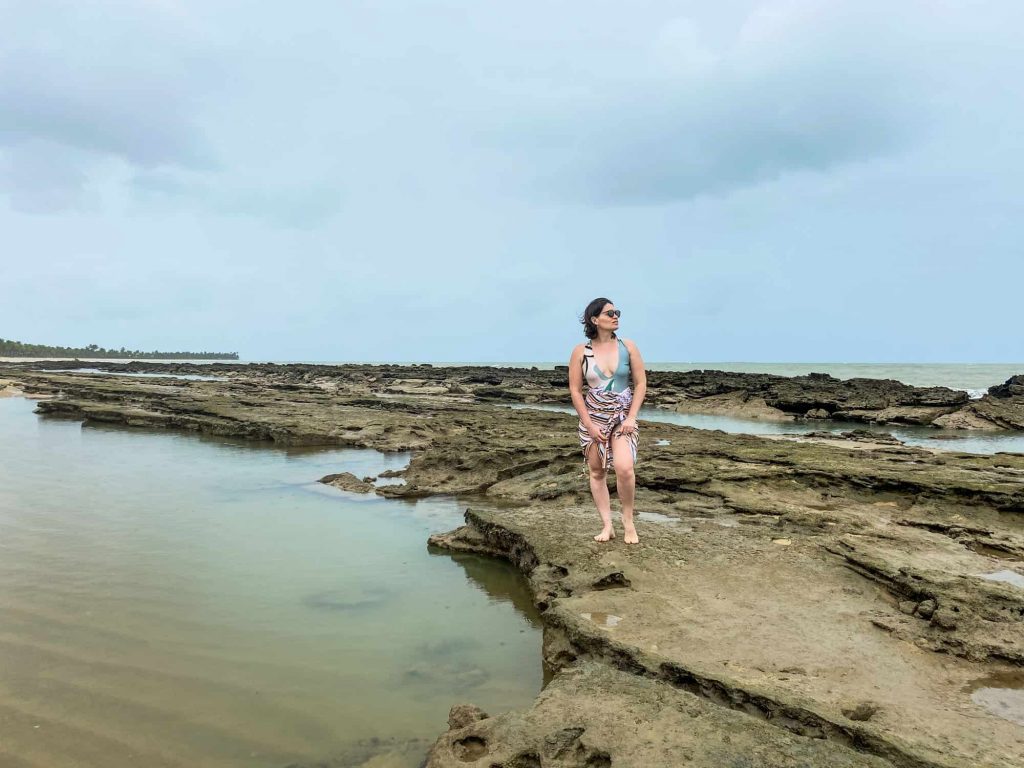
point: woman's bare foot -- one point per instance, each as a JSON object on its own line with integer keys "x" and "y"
{"x": 606, "y": 533}
{"x": 631, "y": 536}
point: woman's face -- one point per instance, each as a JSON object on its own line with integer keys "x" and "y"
{"x": 605, "y": 323}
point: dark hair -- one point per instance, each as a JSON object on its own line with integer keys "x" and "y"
{"x": 593, "y": 310}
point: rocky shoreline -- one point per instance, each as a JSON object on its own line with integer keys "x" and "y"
{"x": 792, "y": 603}
{"x": 816, "y": 396}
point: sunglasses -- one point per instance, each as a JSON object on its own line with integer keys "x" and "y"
{"x": 612, "y": 313}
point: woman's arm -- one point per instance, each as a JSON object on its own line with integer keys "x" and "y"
{"x": 576, "y": 386}
{"x": 636, "y": 366}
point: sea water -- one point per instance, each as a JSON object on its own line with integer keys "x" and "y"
{"x": 173, "y": 600}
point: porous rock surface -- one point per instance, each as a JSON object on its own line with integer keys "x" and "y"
{"x": 1002, "y": 407}
{"x": 790, "y": 603}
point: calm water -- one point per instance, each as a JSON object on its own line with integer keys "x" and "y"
{"x": 926, "y": 437}
{"x": 169, "y": 600}
{"x": 974, "y": 378}
{"x": 185, "y": 376}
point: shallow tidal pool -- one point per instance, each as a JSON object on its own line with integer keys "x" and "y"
{"x": 175, "y": 600}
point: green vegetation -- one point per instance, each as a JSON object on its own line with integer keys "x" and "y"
{"x": 10, "y": 348}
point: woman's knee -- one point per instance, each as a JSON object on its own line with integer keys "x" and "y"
{"x": 598, "y": 473}
{"x": 625, "y": 474}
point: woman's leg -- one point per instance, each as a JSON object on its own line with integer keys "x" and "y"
{"x": 599, "y": 490}
{"x": 625, "y": 483}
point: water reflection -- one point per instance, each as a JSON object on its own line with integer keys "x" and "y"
{"x": 176, "y": 599}
{"x": 1002, "y": 694}
{"x": 1006, "y": 577}
{"x": 499, "y": 580}
{"x": 926, "y": 437}
{"x": 140, "y": 375}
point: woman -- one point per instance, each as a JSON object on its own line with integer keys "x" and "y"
{"x": 608, "y": 431}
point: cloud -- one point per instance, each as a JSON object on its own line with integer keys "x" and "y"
{"x": 301, "y": 205}
{"x": 42, "y": 177}
{"x": 799, "y": 87}
{"x": 111, "y": 81}
{"x": 746, "y": 177}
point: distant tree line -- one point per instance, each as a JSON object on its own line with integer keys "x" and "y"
{"x": 11, "y": 348}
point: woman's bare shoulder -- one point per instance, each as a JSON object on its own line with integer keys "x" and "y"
{"x": 630, "y": 345}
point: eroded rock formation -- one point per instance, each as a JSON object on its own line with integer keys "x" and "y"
{"x": 750, "y": 395}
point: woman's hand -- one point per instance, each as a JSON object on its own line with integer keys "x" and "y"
{"x": 628, "y": 426}
{"x": 596, "y": 434}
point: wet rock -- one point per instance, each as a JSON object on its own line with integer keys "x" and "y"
{"x": 1012, "y": 387}
{"x": 817, "y": 413}
{"x": 866, "y": 436}
{"x": 346, "y": 481}
{"x": 857, "y": 436}
{"x": 463, "y": 715}
{"x": 1001, "y": 408}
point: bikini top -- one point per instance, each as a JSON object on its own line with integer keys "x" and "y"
{"x": 596, "y": 378}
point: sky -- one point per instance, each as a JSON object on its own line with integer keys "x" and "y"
{"x": 747, "y": 180}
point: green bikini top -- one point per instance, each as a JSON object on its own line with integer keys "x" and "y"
{"x": 596, "y": 378}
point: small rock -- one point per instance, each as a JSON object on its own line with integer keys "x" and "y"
{"x": 346, "y": 481}
{"x": 817, "y": 413}
{"x": 944, "y": 618}
{"x": 462, "y": 715}
{"x": 925, "y": 609}
{"x": 908, "y": 607}
{"x": 863, "y": 711}
{"x": 613, "y": 580}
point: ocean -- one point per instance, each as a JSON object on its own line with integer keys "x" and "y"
{"x": 180, "y": 600}
{"x": 974, "y": 378}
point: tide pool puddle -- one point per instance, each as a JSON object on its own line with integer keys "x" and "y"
{"x": 1002, "y": 694}
{"x": 659, "y": 519}
{"x": 1005, "y": 576}
{"x": 726, "y": 521}
{"x": 603, "y": 620}
{"x": 173, "y": 600}
{"x": 139, "y": 374}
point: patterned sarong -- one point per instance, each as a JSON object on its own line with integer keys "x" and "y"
{"x": 607, "y": 410}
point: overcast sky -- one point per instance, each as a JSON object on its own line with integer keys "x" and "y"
{"x": 761, "y": 180}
